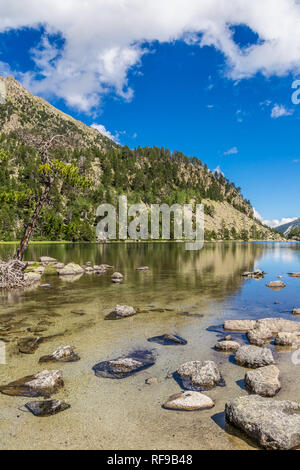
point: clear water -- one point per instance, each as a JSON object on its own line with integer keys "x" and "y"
{"x": 184, "y": 293}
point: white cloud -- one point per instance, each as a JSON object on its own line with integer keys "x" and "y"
{"x": 105, "y": 132}
{"x": 105, "y": 39}
{"x": 231, "y": 151}
{"x": 280, "y": 110}
{"x": 275, "y": 222}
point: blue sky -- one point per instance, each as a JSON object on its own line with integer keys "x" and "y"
{"x": 181, "y": 95}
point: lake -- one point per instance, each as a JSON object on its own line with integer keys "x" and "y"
{"x": 184, "y": 292}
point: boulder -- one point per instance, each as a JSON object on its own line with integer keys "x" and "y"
{"x": 258, "y": 273}
{"x": 239, "y": 325}
{"x": 287, "y": 339}
{"x": 260, "y": 335}
{"x": 276, "y": 285}
{"x": 88, "y": 269}
{"x": 71, "y": 269}
{"x": 46, "y": 407}
{"x": 61, "y": 354}
{"x": 168, "y": 340}
{"x": 188, "y": 401}
{"x": 200, "y": 375}
{"x": 254, "y": 356}
{"x": 117, "y": 277}
{"x": 272, "y": 424}
{"x": 31, "y": 277}
{"x": 227, "y": 346}
{"x": 263, "y": 381}
{"x": 296, "y": 311}
{"x": 58, "y": 266}
{"x": 123, "y": 311}
{"x": 124, "y": 366}
{"x": 47, "y": 260}
{"x": 42, "y": 384}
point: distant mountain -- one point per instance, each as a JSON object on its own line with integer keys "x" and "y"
{"x": 150, "y": 175}
{"x": 287, "y": 228}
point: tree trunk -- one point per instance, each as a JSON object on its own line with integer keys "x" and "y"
{"x": 29, "y": 230}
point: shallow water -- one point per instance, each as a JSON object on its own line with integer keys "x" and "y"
{"x": 184, "y": 293}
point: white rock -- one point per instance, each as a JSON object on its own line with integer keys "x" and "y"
{"x": 189, "y": 401}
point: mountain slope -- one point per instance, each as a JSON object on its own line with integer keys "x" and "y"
{"x": 149, "y": 175}
{"x": 287, "y": 228}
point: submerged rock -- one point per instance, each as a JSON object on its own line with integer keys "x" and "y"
{"x": 272, "y": 424}
{"x": 168, "y": 340}
{"x": 227, "y": 346}
{"x": 121, "y": 311}
{"x": 151, "y": 381}
{"x": 124, "y": 366}
{"x": 71, "y": 269}
{"x": 188, "y": 401}
{"x": 42, "y": 384}
{"x": 254, "y": 356}
{"x": 200, "y": 375}
{"x": 263, "y": 381}
{"x": 274, "y": 324}
{"x": 29, "y": 345}
{"x": 276, "y": 285}
{"x": 46, "y": 407}
{"x": 61, "y": 354}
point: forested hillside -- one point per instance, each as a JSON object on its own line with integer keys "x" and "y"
{"x": 149, "y": 175}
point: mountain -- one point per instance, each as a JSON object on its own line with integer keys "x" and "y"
{"x": 286, "y": 229}
{"x": 149, "y": 175}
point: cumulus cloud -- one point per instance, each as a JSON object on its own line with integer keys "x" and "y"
{"x": 279, "y": 111}
{"x": 103, "y": 40}
{"x": 275, "y": 222}
{"x": 231, "y": 151}
{"x": 100, "y": 128}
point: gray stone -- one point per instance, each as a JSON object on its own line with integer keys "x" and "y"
{"x": 227, "y": 346}
{"x": 71, "y": 269}
{"x": 200, "y": 375}
{"x": 239, "y": 325}
{"x": 42, "y": 384}
{"x": 254, "y": 356}
{"x": 263, "y": 381}
{"x": 189, "y": 401}
{"x": 61, "y": 354}
{"x": 31, "y": 277}
{"x": 47, "y": 260}
{"x": 117, "y": 277}
{"x": 123, "y": 311}
{"x": 287, "y": 339}
{"x": 124, "y": 366}
{"x": 143, "y": 268}
{"x": 260, "y": 335}
{"x": 272, "y": 424}
{"x": 46, "y": 407}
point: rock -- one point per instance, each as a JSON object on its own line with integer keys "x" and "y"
{"x": 58, "y": 266}
{"x": 227, "y": 346}
{"x": 151, "y": 381}
{"x": 168, "y": 340}
{"x": 29, "y": 345}
{"x": 88, "y": 269}
{"x": 122, "y": 311}
{"x": 258, "y": 273}
{"x": 287, "y": 339}
{"x": 254, "y": 356}
{"x": 47, "y": 260}
{"x": 71, "y": 269}
{"x": 143, "y": 268}
{"x": 45, "y": 286}
{"x": 296, "y": 311}
{"x": 32, "y": 277}
{"x": 189, "y": 401}
{"x": 227, "y": 338}
{"x": 294, "y": 274}
{"x": 272, "y": 424}
{"x": 260, "y": 335}
{"x": 117, "y": 277}
{"x": 239, "y": 325}
{"x": 46, "y": 407}
{"x": 61, "y": 354}
{"x": 276, "y": 285}
{"x": 199, "y": 375}
{"x": 263, "y": 381}
{"x": 124, "y": 366}
{"x": 42, "y": 384}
